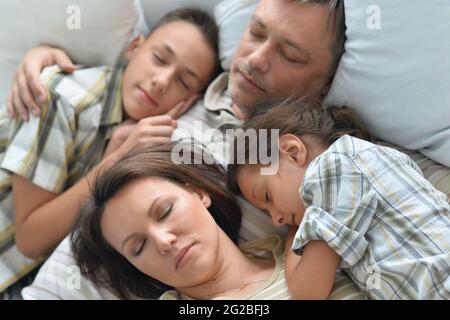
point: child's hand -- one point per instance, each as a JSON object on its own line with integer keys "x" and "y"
{"x": 147, "y": 132}
{"x": 123, "y": 131}
{"x": 183, "y": 106}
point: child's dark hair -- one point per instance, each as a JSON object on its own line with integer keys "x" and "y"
{"x": 107, "y": 268}
{"x": 297, "y": 118}
{"x": 204, "y": 22}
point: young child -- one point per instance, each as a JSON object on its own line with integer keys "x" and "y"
{"x": 353, "y": 205}
{"x": 95, "y": 113}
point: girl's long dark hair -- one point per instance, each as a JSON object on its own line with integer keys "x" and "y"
{"x": 107, "y": 268}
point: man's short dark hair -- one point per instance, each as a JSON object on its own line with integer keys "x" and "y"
{"x": 337, "y": 23}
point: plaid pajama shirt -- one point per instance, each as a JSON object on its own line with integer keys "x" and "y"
{"x": 390, "y": 226}
{"x": 57, "y": 149}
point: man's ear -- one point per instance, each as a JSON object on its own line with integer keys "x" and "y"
{"x": 201, "y": 194}
{"x": 293, "y": 149}
{"x": 134, "y": 46}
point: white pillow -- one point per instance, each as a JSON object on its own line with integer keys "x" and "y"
{"x": 232, "y": 16}
{"x": 141, "y": 26}
{"x": 105, "y": 27}
{"x": 397, "y": 78}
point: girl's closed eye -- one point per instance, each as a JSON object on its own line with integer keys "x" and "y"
{"x": 184, "y": 83}
{"x": 158, "y": 58}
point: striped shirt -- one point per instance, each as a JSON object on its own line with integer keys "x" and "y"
{"x": 388, "y": 224}
{"x": 271, "y": 247}
{"x": 55, "y": 150}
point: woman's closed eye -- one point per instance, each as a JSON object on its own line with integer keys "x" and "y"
{"x": 139, "y": 248}
{"x": 166, "y": 212}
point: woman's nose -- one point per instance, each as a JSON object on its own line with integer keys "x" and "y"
{"x": 164, "y": 241}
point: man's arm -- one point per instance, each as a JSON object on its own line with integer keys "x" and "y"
{"x": 311, "y": 276}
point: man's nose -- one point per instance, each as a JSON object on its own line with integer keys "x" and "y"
{"x": 260, "y": 59}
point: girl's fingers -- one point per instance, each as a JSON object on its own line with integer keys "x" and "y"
{"x": 159, "y": 120}
{"x": 160, "y": 141}
{"x": 10, "y": 104}
{"x": 161, "y": 131}
{"x": 183, "y": 106}
{"x": 32, "y": 73}
{"x": 63, "y": 61}
{"x": 193, "y": 99}
{"x": 18, "y": 104}
{"x": 26, "y": 95}
{"x": 175, "y": 111}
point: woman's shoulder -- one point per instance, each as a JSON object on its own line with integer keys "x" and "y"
{"x": 170, "y": 295}
{"x": 265, "y": 247}
{"x": 345, "y": 289}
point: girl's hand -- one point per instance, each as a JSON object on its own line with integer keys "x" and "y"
{"x": 183, "y": 106}
{"x": 147, "y": 132}
{"x": 120, "y": 134}
{"x": 27, "y": 92}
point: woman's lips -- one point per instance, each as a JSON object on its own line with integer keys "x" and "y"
{"x": 146, "y": 97}
{"x": 183, "y": 256}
